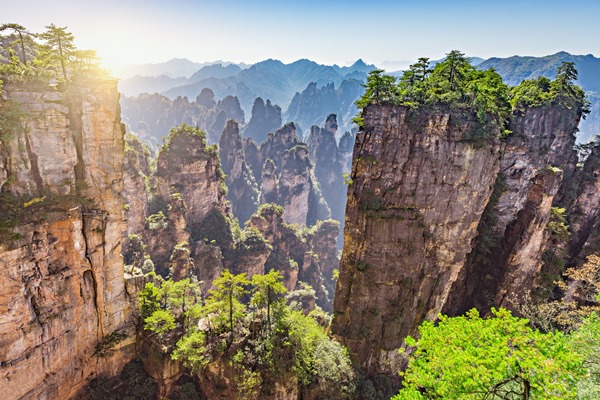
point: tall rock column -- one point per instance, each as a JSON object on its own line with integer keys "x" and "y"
{"x": 418, "y": 191}
{"x": 508, "y": 256}
{"x": 63, "y": 303}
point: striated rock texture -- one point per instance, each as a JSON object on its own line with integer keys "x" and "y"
{"x": 418, "y": 193}
{"x": 242, "y": 189}
{"x": 288, "y": 179}
{"x": 136, "y": 171}
{"x": 328, "y": 167}
{"x": 266, "y": 117}
{"x": 584, "y": 213}
{"x": 186, "y": 165}
{"x": 298, "y": 190}
{"x": 512, "y": 238}
{"x": 62, "y": 291}
{"x": 346, "y": 146}
{"x": 308, "y": 255}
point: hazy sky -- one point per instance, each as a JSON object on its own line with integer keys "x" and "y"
{"x": 140, "y": 31}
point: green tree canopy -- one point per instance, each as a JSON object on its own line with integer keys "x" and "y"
{"x": 500, "y": 357}
{"x": 59, "y": 46}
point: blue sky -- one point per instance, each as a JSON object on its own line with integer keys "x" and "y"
{"x": 378, "y": 31}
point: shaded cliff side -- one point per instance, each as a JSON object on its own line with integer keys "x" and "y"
{"x": 538, "y": 162}
{"x": 418, "y": 192}
{"x": 65, "y": 312}
{"x": 242, "y": 189}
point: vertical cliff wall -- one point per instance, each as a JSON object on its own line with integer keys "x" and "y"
{"x": 537, "y": 165}
{"x": 417, "y": 194}
{"x": 64, "y": 312}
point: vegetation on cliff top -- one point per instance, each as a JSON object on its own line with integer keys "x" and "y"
{"x": 247, "y": 324}
{"x": 456, "y": 84}
{"x": 41, "y": 57}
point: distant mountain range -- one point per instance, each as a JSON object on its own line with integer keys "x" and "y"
{"x": 301, "y": 88}
{"x": 174, "y": 68}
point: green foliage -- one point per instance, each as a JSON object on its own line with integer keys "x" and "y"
{"x": 586, "y": 341}
{"x": 181, "y": 135}
{"x": 56, "y": 57}
{"x": 149, "y": 300}
{"x": 558, "y": 225}
{"x": 271, "y": 340}
{"x": 543, "y": 92}
{"x": 266, "y": 289}
{"x": 59, "y": 47}
{"x": 500, "y": 357}
{"x": 380, "y": 89}
{"x": 453, "y": 83}
{"x": 191, "y": 351}
{"x": 156, "y": 221}
{"x": 226, "y": 295}
{"x": 160, "y": 322}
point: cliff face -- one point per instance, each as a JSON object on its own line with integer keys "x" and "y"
{"x": 417, "y": 196}
{"x": 62, "y": 291}
{"x": 508, "y": 256}
{"x": 242, "y": 190}
{"x": 136, "y": 170}
{"x": 266, "y": 117}
{"x": 188, "y": 167}
{"x": 584, "y": 216}
{"x": 288, "y": 179}
{"x": 328, "y": 168}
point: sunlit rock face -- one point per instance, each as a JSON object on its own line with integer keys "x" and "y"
{"x": 62, "y": 290}
{"x": 417, "y": 194}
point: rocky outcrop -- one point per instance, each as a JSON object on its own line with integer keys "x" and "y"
{"x": 288, "y": 178}
{"x": 308, "y": 255}
{"x": 512, "y": 241}
{"x": 328, "y": 167}
{"x": 298, "y": 190}
{"x": 242, "y": 189}
{"x": 266, "y": 117}
{"x": 418, "y": 192}
{"x": 186, "y": 165}
{"x": 136, "y": 171}
{"x": 584, "y": 213}
{"x": 314, "y": 103}
{"x": 346, "y": 146}
{"x": 65, "y": 313}
{"x": 158, "y": 114}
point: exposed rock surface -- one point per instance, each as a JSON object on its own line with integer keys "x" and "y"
{"x": 62, "y": 289}
{"x": 584, "y": 215}
{"x": 418, "y": 192}
{"x": 313, "y": 104}
{"x": 508, "y": 255}
{"x": 328, "y": 167}
{"x": 266, "y": 117}
{"x": 136, "y": 170}
{"x": 153, "y": 115}
{"x": 242, "y": 189}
